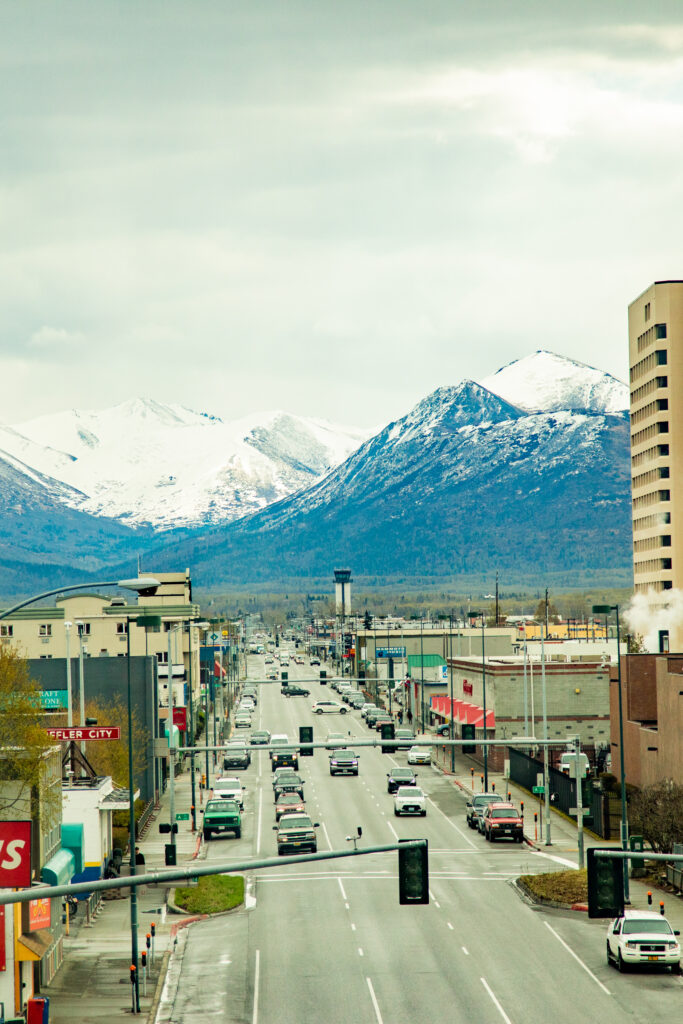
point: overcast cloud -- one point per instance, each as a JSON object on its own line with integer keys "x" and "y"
{"x": 330, "y": 208}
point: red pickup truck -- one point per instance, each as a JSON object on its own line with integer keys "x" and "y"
{"x": 503, "y": 821}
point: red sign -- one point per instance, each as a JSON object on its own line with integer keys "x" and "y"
{"x": 15, "y": 854}
{"x": 38, "y": 914}
{"x": 467, "y": 687}
{"x": 180, "y": 718}
{"x": 103, "y": 732}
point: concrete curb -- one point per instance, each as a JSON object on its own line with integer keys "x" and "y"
{"x": 540, "y": 901}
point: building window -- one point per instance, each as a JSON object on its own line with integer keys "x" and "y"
{"x": 647, "y": 311}
{"x": 84, "y": 629}
{"x": 661, "y": 357}
{"x": 6, "y": 630}
{"x": 667, "y": 585}
{"x": 666, "y": 564}
{"x": 660, "y": 330}
{"x": 122, "y": 628}
{"x": 45, "y": 629}
{"x": 666, "y": 540}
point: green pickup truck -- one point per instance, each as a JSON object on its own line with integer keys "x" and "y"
{"x": 222, "y": 816}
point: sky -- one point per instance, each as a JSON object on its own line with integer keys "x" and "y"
{"x": 327, "y": 208}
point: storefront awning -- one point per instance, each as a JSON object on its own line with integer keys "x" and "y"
{"x": 33, "y": 946}
{"x": 60, "y": 869}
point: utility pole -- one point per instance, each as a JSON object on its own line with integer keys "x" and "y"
{"x": 546, "y": 613}
{"x": 497, "y": 615}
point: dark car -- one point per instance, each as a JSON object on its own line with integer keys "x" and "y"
{"x": 289, "y": 803}
{"x": 260, "y": 738}
{"x": 343, "y": 762}
{"x": 296, "y": 832}
{"x": 236, "y": 755}
{"x": 400, "y": 777}
{"x": 292, "y": 690}
{"x": 476, "y": 807}
{"x": 288, "y": 783}
{"x": 285, "y": 757}
{"x": 503, "y": 821}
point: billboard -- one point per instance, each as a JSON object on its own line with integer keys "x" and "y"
{"x": 15, "y": 854}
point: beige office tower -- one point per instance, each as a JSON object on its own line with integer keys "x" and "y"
{"x": 655, "y": 341}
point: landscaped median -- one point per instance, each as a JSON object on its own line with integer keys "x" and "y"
{"x": 214, "y": 894}
{"x": 567, "y": 889}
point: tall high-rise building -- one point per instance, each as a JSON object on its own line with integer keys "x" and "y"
{"x": 655, "y": 329}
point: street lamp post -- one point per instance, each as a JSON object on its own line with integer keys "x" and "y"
{"x": 474, "y": 615}
{"x": 605, "y": 609}
{"x": 422, "y": 679}
{"x": 450, "y": 660}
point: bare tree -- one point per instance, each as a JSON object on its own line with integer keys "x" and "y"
{"x": 656, "y": 813}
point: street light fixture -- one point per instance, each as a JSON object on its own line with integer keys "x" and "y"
{"x": 475, "y": 615}
{"x": 605, "y": 609}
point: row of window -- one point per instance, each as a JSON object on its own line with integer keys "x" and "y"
{"x": 650, "y": 543}
{"x": 638, "y": 394}
{"x": 653, "y": 498}
{"x": 642, "y": 588}
{"x": 649, "y": 410}
{"x": 649, "y": 455}
{"x": 661, "y": 473}
{"x": 653, "y": 334}
{"x": 647, "y": 522}
{"x": 652, "y": 565}
{"x": 660, "y": 427}
{"x": 84, "y": 629}
{"x": 161, "y": 656}
{"x": 656, "y": 358}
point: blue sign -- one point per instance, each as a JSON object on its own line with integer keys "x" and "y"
{"x": 391, "y": 652}
{"x": 53, "y": 698}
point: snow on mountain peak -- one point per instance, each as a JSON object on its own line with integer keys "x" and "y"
{"x": 546, "y": 382}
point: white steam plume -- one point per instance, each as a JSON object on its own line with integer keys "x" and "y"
{"x": 653, "y": 611}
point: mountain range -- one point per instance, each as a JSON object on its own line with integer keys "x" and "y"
{"x": 526, "y": 471}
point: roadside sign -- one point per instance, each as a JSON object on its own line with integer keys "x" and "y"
{"x": 53, "y": 698}
{"x": 109, "y": 732}
{"x": 539, "y": 779}
{"x": 15, "y": 854}
{"x": 214, "y": 637}
{"x": 182, "y": 817}
{"x": 538, "y": 790}
{"x": 585, "y": 811}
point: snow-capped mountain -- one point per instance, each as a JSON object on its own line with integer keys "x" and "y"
{"x": 545, "y": 382}
{"x": 145, "y": 463}
{"x": 463, "y": 483}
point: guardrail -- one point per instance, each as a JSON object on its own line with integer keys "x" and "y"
{"x": 144, "y": 819}
{"x": 674, "y": 872}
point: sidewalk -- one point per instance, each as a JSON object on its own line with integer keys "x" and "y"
{"x": 563, "y": 831}
{"x": 93, "y": 983}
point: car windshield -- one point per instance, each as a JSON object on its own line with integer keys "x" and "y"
{"x": 295, "y": 821}
{"x": 228, "y": 805}
{"x": 503, "y": 812}
{"x": 344, "y": 753}
{"x": 483, "y": 801}
{"x": 647, "y": 925}
{"x": 402, "y": 773}
{"x": 411, "y": 791}
{"x": 289, "y": 798}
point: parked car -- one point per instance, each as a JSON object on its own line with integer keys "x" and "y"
{"x": 296, "y": 832}
{"x": 643, "y": 937}
{"x": 400, "y": 777}
{"x": 503, "y": 821}
{"x": 328, "y": 707}
{"x": 343, "y": 762}
{"x": 419, "y": 755}
{"x": 476, "y": 807}
{"x": 410, "y": 800}
{"x": 366, "y": 707}
{"x": 222, "y": 816}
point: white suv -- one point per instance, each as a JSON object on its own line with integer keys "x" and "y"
{"x": 328, "y": 707}
{"x": 410, "y": 800}
{"x": 643, "y": 937}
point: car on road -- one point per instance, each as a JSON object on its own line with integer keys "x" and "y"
{"x": 271, "y": 674}
{"x": 222, "y": 816}
{"x": 476, "y": 807}
{"x": 381, "y": 720}
{"x": 242, "y": 720}
{"x": 400, "y": 777}
{"x": 295, "y": 833}
{"x": 278, "y": 739}
{"x": 335, "y": 739}
{"x": 289, "y": 803}
{"x": 260, "y": 738}
{"x": 419, "y": 755}
{"x": 643, "y": 937}
{"x": 288, "y": 783}
{"x": 503, "y": 821}
{"x": 366, "y": 707}
{"x": 410, "y": 800}
{"x": 236, "y": 755}
{"x": 315, "y": 660}
{"x": 326, "y": 707}
{"x": 402, "y": 733}
{"x": 356, "y": 701}
{"x": 292, "y": 690}
{"x": 269, "y": 660}
{"x": 229, "y": 787}
{"x": 285, "y": 757}
{"x": 343, "y": 762}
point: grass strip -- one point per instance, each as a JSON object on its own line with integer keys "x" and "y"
{"x": 560, "y": 886}
{"x": 213, "y": 894}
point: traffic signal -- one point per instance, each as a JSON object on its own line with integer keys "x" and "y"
{"x": 413, "y": 874}
{"x": 468, "y": 734}
{"x": 388, "y": 732}
{"x": 284, "y": 677}
{"x": 166, "y": 826}
{"x": 170, "y": 855}
{"x": 306, "y": 736}
{"x": 605, "y": 885}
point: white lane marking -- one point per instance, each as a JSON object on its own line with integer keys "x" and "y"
{"x": 558, "y": 860}
{"x": 375, "y": 1004}
{"x": 341, "y": 886}
{"x": 257, "y": 971}
{"x": 452, "y": 824}
{"x": 327, "y": 836}
{"x": 437, "y": 904}
{"x": 360, "y": 952}
{"x": 346, "y": 906}
{"x": 578, "y": 959}
{"x": 353, "y": 927}
{"x": 497, "y": 1005}
{"x": 465, "y": 950}
{"x": 449, "y": 925}
{"x": 393, "y": 830}
{"x": 258, "y": 822}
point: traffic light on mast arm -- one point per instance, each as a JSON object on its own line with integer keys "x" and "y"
{"x": 388, "y": 732}
{"x": 605, "y": 885}
{"x": 306, "y": 736}
{"x": 413, "y": 874}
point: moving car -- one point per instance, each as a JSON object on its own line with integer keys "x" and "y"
{"x": 403, "y": 733}
{"x": 476, "y": 807}
{"x": 228, "y": 787}
{"x": 289, "y": 803}
{"x": 222, "y": 816}
{"x": 335, "y": 739}
{"x": 643, "y": 937}
{"x": 503, "y": 821}
{"x": 295, "y": 833}
{"x": 288, "y": 782}
{"x": 284, "y": 757}
{"x": 365, "y": 708}
{"x": 328, "y": 707}
{"x": 236, "y": 755}
{"x": 260, "y": 738}
{"x": 400, "y": 777}
{"x": 292, "y": 690}
{"x": 278, "y": 739}
{"x": 410, "y": 800}
{"x": 343, "y": 762}
{"x": 242, "y": 720}
{"x": 271, "y": 674}
{"x": 315, "y": 660}
{"x": 419, "y": 755}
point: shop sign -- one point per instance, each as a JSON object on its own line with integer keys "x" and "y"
{"x": 15, "y": 854}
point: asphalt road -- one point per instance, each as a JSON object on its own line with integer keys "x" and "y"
{"x": 329, "y": 942}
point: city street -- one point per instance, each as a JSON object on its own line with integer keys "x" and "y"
{"x": 329, "y": 941}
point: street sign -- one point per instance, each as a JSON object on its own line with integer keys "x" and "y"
{"x": 539, "y": 779}
{"x": 538, "y": 790}
{"x": 53, "y": 699}
{"x": 391, "y": 652}
{"x": 182, "y": 817}
{"x": 214, "y": 637}
{"x": 15, "y": 854}
{"x": 109, "y": 732}
{"x": 585, "y": 811}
